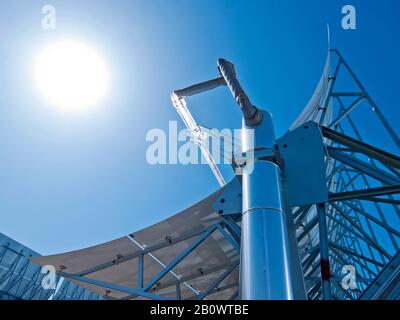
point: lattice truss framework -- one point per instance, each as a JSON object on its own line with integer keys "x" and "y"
{"x": 22, "y": 280}
{"x": 362, "y": 214}
{"x": 358, "y": 225}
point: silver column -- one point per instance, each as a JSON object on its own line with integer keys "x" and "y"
{"x": 265, "y": 273}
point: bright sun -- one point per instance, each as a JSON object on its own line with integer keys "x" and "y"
{"x": 71, "y": 75}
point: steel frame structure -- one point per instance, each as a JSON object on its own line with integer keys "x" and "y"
{"x": 363, "y": 181}
{"x": 22, "y": 280}
{"x": 357, "y": 225}
{"x": 153, "y": 289}
{"x": 343, "y": 230}
{"x": 11, "y": 279}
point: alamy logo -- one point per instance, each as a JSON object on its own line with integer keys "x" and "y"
{"x": 49, "y": 280}
{"x": 49, "y": 19}
{"x": 182, "y": 147}
{"x": 349, "y": 280}
{"x": 349, "y": 21}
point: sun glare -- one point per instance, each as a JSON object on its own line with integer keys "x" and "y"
{"x": 71, "y": 75}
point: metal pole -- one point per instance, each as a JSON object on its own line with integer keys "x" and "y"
{"x": 265, "y": 254}
{"x": 324, "y": 253}
{"x": 265, "y": 265}
{"x": 265, "y": 250}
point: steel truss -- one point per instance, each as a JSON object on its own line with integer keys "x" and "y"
{"x": 22, "y": 280}
{"x": 357, "y": 226}
{"x": 154, "y": 289}
{"x": 19, "y": 279}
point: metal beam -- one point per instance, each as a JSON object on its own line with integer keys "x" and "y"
{"x": 180, "y": 257}
{"x": 360, "y": 230}
{"x": 353, "y": 253}
{"x": 364, "y": 167}
{"x": 366, "y": 193}
{"x": 335, "y": 122}
{"x": 112, "y": 286}
{"x": 372, "y": 218}
{"x": 362, "y": 147}
{"x": 375, "y": 107}
{"x": 136, "y": 254}
{"x": 217, "y": 281}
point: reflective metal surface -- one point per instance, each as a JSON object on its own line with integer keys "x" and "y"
{"x": 265, "y": 273}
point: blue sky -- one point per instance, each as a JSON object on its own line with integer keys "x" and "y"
{"x": 70, "y": 181}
